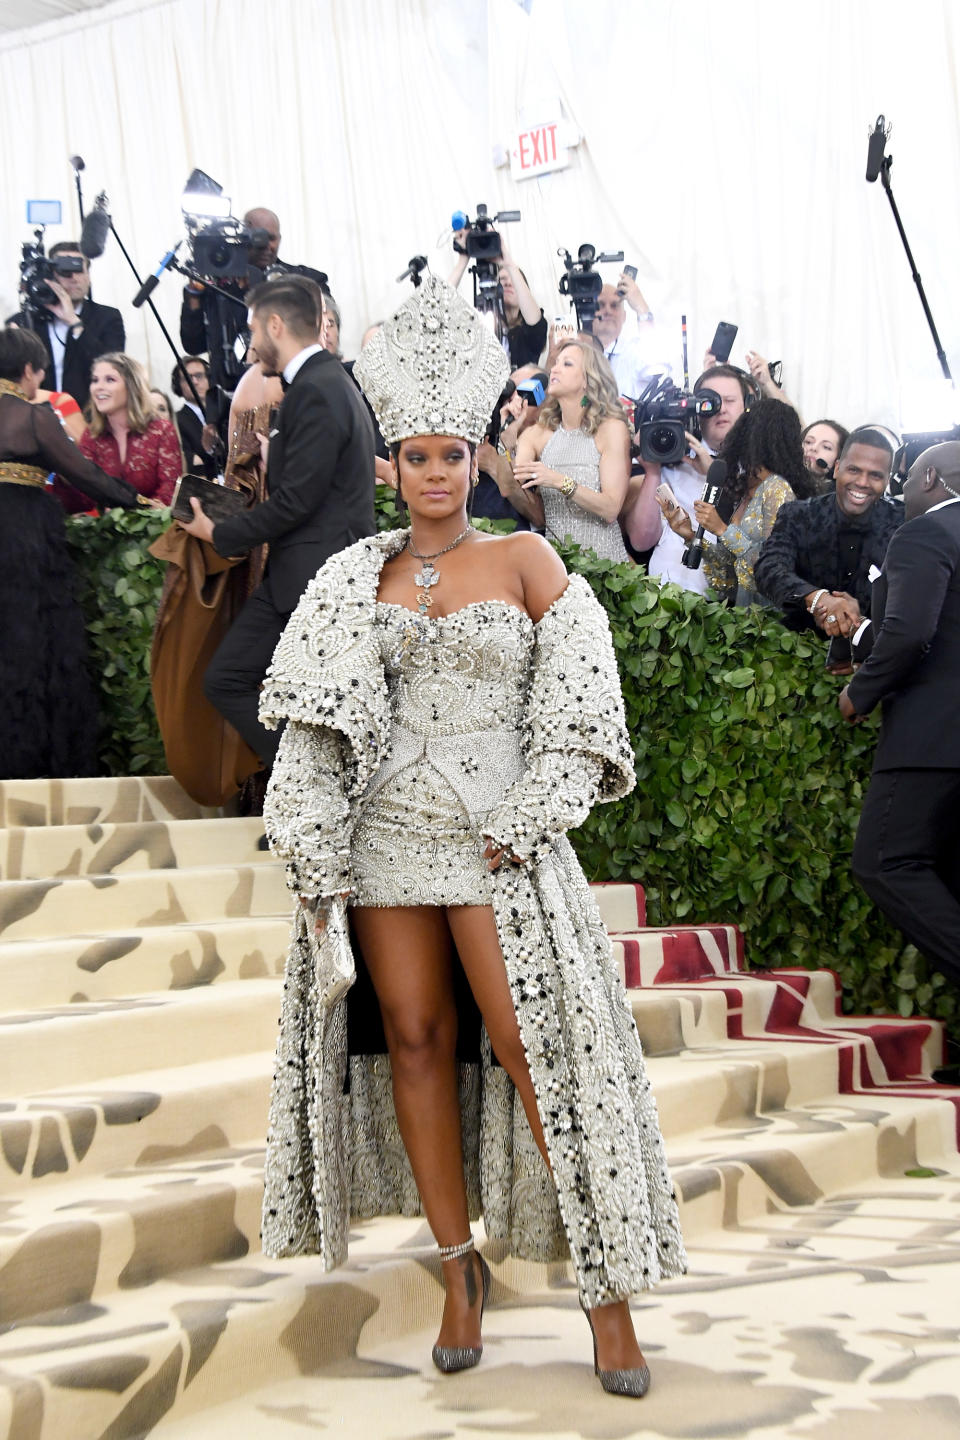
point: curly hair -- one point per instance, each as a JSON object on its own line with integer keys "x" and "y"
{"x": 601, "y": 398}
{"x": 140, "y": 408}
{"x": 767, "y": 436}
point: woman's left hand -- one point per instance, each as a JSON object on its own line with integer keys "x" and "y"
{"x": 495, "y": 856}
{"x": 707, "y": 516}
{"x": 534, "y": 472}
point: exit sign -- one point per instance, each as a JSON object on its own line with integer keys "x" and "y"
{"x": 538, "y": 149}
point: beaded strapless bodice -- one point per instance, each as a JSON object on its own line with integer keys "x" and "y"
{"x": 574, "y": 453}
{"x": 458, "y": 673}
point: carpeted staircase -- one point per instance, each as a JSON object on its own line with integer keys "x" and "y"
{"x": 141, "y": 952}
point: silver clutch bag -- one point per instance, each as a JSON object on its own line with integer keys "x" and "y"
{"x": 332, "y": 957}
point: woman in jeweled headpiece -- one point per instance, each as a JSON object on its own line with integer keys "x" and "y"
{"x": 453, "y": 709}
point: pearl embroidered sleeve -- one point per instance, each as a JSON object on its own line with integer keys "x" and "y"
{"x": 578, "y": 750}
{"x": 306, "y": 814}
{"x": 556, "y": 794}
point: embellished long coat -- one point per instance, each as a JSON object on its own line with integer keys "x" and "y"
{"x": 333, "y": 1148}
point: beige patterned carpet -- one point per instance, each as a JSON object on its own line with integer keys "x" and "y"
{"x": 140, "y": 950}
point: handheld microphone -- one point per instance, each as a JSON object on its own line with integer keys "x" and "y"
{"x": 96, "y": 228}
{"x": 875, "y": 148}
{"x": 78, "y": 163}
{"x": 459, "y": 220}
{"x": 716, "y": 477}
{"x": 152, "y": 281}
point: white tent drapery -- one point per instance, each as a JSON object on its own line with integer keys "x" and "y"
{"x": 724, "y": 151}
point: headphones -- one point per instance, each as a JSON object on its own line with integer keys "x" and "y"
{"x": 749, "y": 388}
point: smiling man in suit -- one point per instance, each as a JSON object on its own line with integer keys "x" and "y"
{"x": 320, "y": 486}
{"x": 907, "y": 851}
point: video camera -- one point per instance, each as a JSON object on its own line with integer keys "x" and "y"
{"x": 663, "y": 414}
{"x": 36, "y": 268}
{"x": 484, "y": 249}
{"x": 219, "y": 244}
{"x": 582, "y": 284}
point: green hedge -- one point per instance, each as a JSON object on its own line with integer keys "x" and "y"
{"x": 749, "y": 784}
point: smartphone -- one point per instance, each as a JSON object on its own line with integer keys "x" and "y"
{"x": 630, "y": 270}
{"x": 532, "y": 391}
{"x": 563, "y": 329}
{"x": 723, "y": 342}
{"x": 666, "y": 494}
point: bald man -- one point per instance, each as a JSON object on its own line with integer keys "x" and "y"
{"x": 212, "y": 321}
{"x": 907, "y": 851}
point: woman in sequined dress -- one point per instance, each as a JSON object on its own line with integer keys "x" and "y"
{"x": 575, "y": 462}
{"x": 439, "y": 743}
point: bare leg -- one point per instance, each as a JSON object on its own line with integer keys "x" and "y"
{"x": 474, "y": 932}
{"x": 407, "y": 952}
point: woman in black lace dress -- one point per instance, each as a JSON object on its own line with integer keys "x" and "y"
{"x": 48, "y": 717}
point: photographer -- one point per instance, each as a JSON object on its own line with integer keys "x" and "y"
{"x": 213, "y": 322}
{"x": 526, "y": 327}
{"x": 627, "y": 349}
{"x": 817, "y": 564}
{"x": 642, "y": 520}
{"x": 73, "y": 328}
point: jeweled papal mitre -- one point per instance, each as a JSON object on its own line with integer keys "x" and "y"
{"x": 433, "y": 368}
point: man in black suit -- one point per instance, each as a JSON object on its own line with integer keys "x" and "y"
{"x": 78, "y": 330}
{"x": 201, "y": 426}
{"x": 907, "y": 851}
{"x": 320, "y": 495}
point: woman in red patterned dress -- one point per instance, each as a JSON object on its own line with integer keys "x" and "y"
{"x": 125, "y": 436}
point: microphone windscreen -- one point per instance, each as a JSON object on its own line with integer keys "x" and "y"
{"x": 821, "y": 464}
{"x": 93, "y": 236}
{"x": 717, "y": 474}
{"x": 878, "y": 140}
{"x": 77, "y": 161}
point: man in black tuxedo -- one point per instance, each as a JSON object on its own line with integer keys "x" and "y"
{"x": 320, "y": 495}
{"x": 77, "y": 330}
{"x": 907, "y": 851}
{"x": 201, "y": 426}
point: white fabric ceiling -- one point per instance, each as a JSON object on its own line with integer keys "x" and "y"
{"x": 724, "y": 150}
{"x": 22, "y": 14}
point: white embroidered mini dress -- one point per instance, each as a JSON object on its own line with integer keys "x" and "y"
{"x": 457, "y": 689}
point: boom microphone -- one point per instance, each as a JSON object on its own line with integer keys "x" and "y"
{"x": 96, "y": 228}
{"x": 152, "y": 281}
{"x": 875, "y": 149}
{"x": 716, "y": 478}
{"x": 78, "y": 163}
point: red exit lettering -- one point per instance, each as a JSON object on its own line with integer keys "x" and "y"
{"x": 537, "y": 147}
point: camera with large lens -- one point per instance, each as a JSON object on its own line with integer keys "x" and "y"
{"x": 581, "y": 283}
{"x": 484, "y": 249}
{"x": 220, "y": 245}
{"x": 36, "y": 269}
{"x": 664, "y": 414}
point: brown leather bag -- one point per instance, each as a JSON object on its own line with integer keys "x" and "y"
{"x": 201, "y": 597}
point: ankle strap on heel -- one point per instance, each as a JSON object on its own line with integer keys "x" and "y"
{"x": 454, "y": 1252}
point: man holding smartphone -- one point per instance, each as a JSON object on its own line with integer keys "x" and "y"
{"x": 628, "y": 347}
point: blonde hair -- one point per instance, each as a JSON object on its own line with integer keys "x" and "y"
{"x": 601, "y": 398}
{"x": 140, "y": 408}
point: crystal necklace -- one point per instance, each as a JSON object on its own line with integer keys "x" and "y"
{"x": 417, "y": 628}
{"x": 427, "y": 576}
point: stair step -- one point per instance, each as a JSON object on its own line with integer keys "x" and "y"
{"x": 147, "y": 1118}
{"x": 677, "y": 954}
{"x": 623, "y": 906}
{"x": 48, "y": 1049}
{"x": 35, "y": 853}
{"x": 89, "y": 905}
{"x": 131, "y": 962}
{"x": 90, "y": 799}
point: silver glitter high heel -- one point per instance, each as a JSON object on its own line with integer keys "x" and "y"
{"x": 450, "y": 1358}
{"x": 632, "y": 1383}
